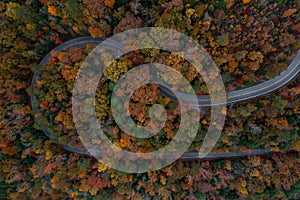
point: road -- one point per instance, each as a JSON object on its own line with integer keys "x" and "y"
{"x": 203, "y": 101}
{"x": 244, "y": 94}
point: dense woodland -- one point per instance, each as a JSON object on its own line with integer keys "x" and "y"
{"x": 251, "y": 41}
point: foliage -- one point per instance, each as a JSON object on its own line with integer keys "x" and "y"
{"x": 34, "y": 167}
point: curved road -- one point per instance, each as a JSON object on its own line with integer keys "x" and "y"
{"x": 244, "y": 94}
{"x": 203, "y": 101}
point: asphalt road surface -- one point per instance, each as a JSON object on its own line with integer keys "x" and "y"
{"x": 203, "y": 101}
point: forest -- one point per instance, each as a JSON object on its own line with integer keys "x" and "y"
{"x": 250, "y": 41}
